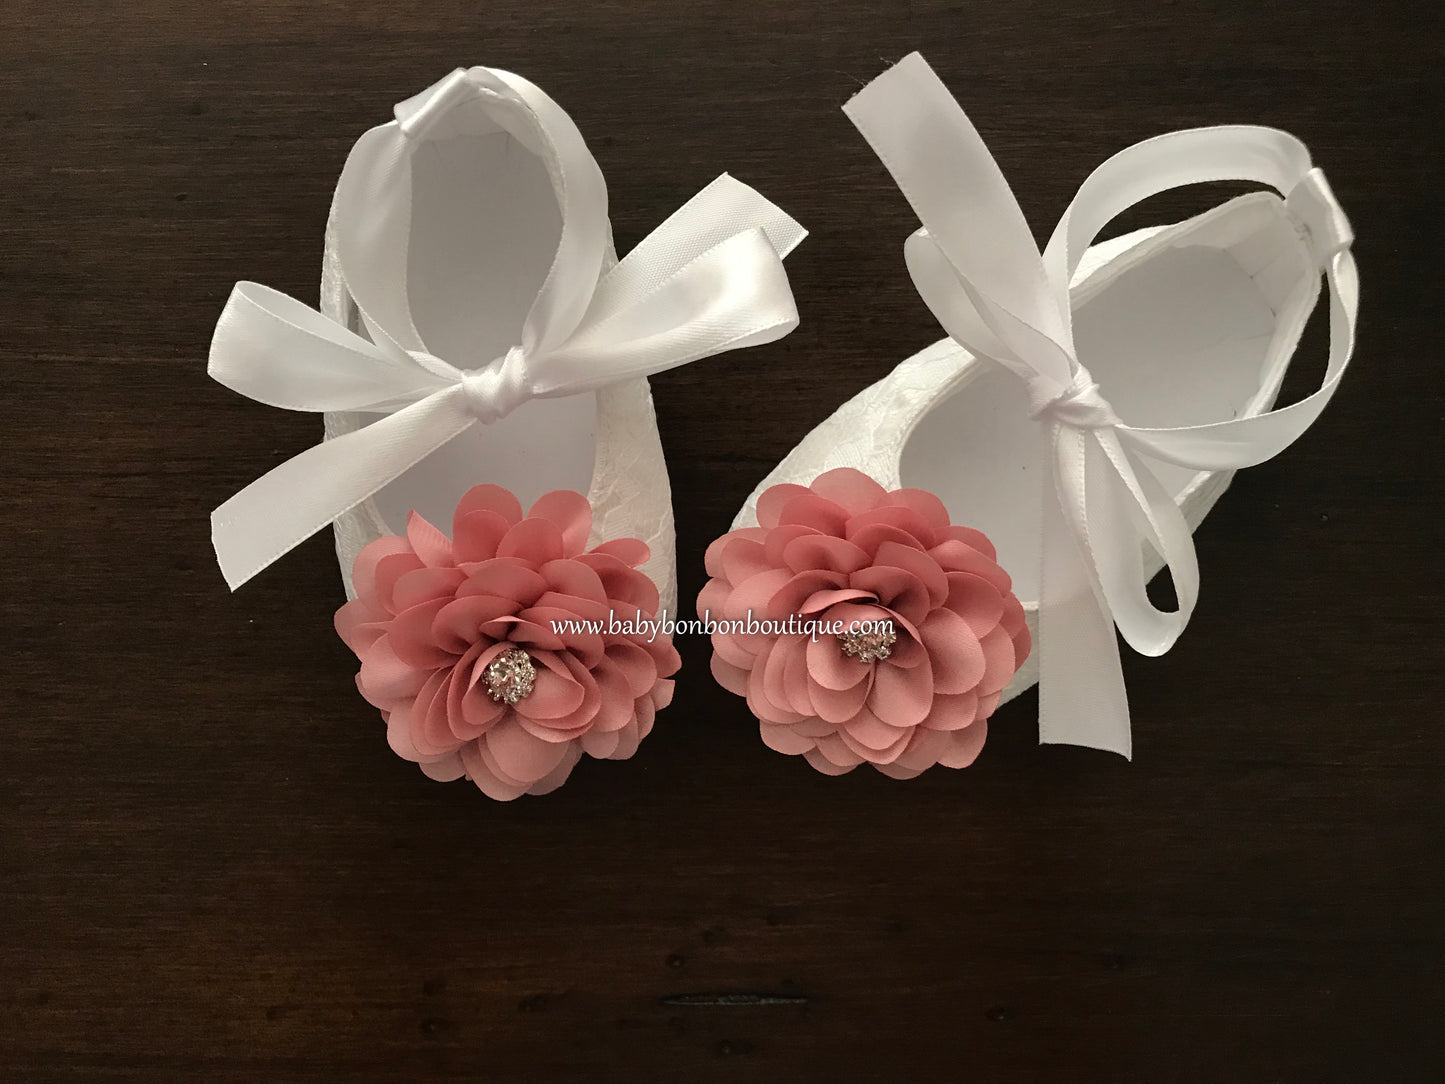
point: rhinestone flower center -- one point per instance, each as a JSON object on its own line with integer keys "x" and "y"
{"x": 868, "y": 646}
{"x": 510, "y": 676}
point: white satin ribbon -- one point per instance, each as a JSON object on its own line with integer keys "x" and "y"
{"x": 708, "y": 280}
{"x": 977, "y": 268}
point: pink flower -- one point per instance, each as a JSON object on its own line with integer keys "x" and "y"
{"x": 845, "y": 550}
{"x": 458, "y": 648}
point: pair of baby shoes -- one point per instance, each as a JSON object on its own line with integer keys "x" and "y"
{"x": 981, "y": 519}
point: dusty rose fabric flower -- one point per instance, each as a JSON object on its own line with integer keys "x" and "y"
{"x": 457, "y": 647}
{"x": 844, "y": 549}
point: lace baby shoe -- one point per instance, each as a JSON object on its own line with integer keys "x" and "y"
{"x": 480, "y": 349}
{"x": 1127, "y": 381}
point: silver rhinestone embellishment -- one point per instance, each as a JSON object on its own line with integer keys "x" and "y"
{"x": 868, "y": 646}
{"x": 510, "y": 676}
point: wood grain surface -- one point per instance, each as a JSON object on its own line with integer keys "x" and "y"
{"x": 212, "y": 867}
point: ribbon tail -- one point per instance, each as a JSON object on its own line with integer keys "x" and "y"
{"x": 290, "y": 503}
{"x": 934, "y": 153}
{"x": 1082, "y": 699}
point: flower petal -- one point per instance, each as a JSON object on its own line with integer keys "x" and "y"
{"x": 901, "y": 697}
{"x": 810, "y": 510}
{"x": 572, "y": 577}
{"x": 998, "y": 651}
{"x": 955, "y": 556}
{"x": 586, "y": 712}
{"x": 833, "y": 749}
{"x": 830, "y": 668}
{"x": 963, "y": 750}
{"x": 635, "y": 663}
{"x": 712, "y": 559}
{"x": 532, "y": 628}
{"x": 751, "y": 597}
{"x": 470, "y": 707}
{"x": 732, "y": 678}
{"x": 384, "y": 678}
{"x": 428, "y": 542}
{"x": 918, "y": 564}
{"x": 823, "y": 551}
{"x": 952, "y": 711}
{"x": 778, "y": 539}
{"x": 874, "y": 735}
{"x": 363, "y": 569}
{"x": 784, "y": 739}
{"x": 505, "y": 577}
{"x": 774, "y": 687}
{"x": 431, "y": 731}
{"x": 741, "y": 558}
{"x": 553, "y": 696}
{"x": 618, "y": 706}
{"x": 489, "y": 498}
{"x": 850, "y": 489}
{"x": 389, "y": 570}
{"x": 631, "y": 735}
{"x": 837, "y": 706}
{"x": 791, "y": 597}
{"x": 558, "y": 775}
{"x": 954, "y": 652}
{"x": 444, "y": 769}
{"x": 360, "y": 623}
{"x": 927, "y": 505}
{"x": 625, "y": 585}
{"x": 521, "y": 755}
{"x": 826, "y": 600}
{"x": 791, "y": 655}
{"x": 761, "y": 704}
{"x": 973, "y": 539}
{"x": 872, "y": 535}
{"x": 600, "y": 743}
{"x": 772, "y": 501}
{"x": 535, "y": 541}
{"x": 711, "y": 598}
{"x": 476, "y": 535}
{"x": 630, "y": 551}
{"x": 482, "y": 771}
{"x": 924, "y": 749}
{"x": 398, "y": 734}
{"x": 412, "y": 639}
{"x": 570, "y": 512}
{"x": 458, "y": 624}
{"x": 894, "y": 518}
{"x": 815, "y": 758}
{"x": 975, "y": 600}
{"x": 896, "y": 588}
{"x": 424, "y": 585}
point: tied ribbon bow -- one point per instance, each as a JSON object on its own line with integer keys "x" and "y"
{"x": 978, "y": 269}
{"x": 708, "y": 280}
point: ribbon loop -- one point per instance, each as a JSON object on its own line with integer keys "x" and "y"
{"x": 709, "y": 280}
{"x": 977, "y": 268}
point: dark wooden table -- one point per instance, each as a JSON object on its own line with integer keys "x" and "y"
{"x": 212, "y": 866}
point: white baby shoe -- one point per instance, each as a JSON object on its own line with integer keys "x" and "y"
{"x": 1091, "y": 404}
{"x": 480, "y": 349}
